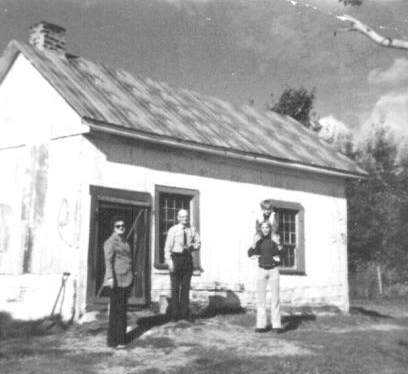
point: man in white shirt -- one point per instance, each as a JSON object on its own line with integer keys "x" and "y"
{"x": 180, "y": 242}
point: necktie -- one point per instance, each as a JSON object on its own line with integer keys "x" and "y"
{"x": 184, "y": 238}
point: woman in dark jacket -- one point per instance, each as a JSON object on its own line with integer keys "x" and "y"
{"x": 268, "y": 253}
{"x": 119, "y": 277}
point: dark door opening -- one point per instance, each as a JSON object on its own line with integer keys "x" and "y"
{"x": 135, "y": 214}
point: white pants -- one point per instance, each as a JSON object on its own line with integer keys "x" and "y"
{"x": 264, "y": 278}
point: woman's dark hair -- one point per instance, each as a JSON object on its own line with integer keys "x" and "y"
{"x": 115, "y": 219}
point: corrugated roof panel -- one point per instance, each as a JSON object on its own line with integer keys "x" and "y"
{"x": 117, "y": 97}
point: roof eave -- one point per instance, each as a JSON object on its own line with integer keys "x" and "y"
{"x": 101, "y": 126}
{"x": 7, "y": 59}
{"x": 15, "y": 47}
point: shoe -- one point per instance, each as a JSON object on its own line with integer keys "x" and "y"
{"x": 188, "y": 319}
{"x": 260, "y": 330}
{"x": 278, "y": 330}
{"x": 174, "y": 319}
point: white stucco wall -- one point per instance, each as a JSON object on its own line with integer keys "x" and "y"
{"x": 47, "y": 167}
{"x": 31, "y": 111}
{"x": 230, "y": 193}
{"x": 55, "y": 235}
{"x": 11, "y": 251}
{"x": 38, "y": 189}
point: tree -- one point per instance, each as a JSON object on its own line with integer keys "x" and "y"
{"x": 362, "y": 28}
{"x": 378, "y": 208}
{"x": 384, "y": 41}
{"x": 296, "y": 103}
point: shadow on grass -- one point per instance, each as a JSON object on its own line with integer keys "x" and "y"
{"x": 229, "y": 304}
{"x": 211, "y": 312}
{"x": 13, "y": 328}
{"x": 292, "y": 322}
{"x": 368, "y": 312}
{"x": 403, "y": 343}
{"x": 146, "y": 323}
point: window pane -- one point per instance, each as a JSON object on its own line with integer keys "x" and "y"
{"x": 169, "y": 205}
{"x": 288, "y": 256}
{"x": 287, "y": 231}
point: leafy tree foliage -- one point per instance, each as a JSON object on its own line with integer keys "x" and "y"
{"x": 378, "y": 204}
{"x": 296, "y": 103}
{"x": 378, "y": 208}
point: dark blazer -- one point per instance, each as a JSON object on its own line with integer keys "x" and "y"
{"x": 118, "y": 261}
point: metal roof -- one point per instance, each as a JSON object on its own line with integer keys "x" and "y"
{"x": 118, "y": 98}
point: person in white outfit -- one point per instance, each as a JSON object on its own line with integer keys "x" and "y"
{"x": 268, "y": 253}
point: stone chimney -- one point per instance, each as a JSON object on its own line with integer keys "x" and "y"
{"x": 48, "y": 37}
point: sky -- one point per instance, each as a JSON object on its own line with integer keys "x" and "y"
{"x": 240, "y": 50}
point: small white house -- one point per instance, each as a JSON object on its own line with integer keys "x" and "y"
{"x": 81, "y": 142}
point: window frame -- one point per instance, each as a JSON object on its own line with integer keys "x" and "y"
{"x": 194, "y": 219}
{"x": 299, "y": 253}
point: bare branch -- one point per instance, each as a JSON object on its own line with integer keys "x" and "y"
{"x": 384, "y": 41}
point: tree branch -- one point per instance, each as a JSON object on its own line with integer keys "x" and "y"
{"x": 384, "y": 41}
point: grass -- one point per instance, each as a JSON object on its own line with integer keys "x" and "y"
{"x": 372, "y": 339}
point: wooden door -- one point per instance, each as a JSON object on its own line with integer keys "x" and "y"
{"x": 136, "y": 214}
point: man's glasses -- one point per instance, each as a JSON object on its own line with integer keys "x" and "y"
{"x": 119, "y": 226}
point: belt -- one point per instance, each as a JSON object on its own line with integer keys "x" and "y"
{"x": 184, "y": 253}
{"x": 267, "y": 267}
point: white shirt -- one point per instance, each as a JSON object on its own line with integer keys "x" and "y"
{"x": 175, "y": 240}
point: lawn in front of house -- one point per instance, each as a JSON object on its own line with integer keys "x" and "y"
{"x": 368, "y": 340}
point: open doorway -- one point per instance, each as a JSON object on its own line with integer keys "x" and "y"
{"x": 134, "y": 207}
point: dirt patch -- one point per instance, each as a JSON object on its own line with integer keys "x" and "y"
{"x": 218, "y": 333}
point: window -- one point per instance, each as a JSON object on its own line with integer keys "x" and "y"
{"x": 287, "y": 232}
{"x": 290, "y": 218}
{"x": 168, "y": 201}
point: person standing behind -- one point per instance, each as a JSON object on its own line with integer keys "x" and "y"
{"x": 267, "y": 215}
{"x": 268, "y": 273}
{"x": 119, "y": 277}
{"x": 180, "y": 242}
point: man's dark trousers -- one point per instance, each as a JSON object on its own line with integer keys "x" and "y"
{"x": 117, "y": 316}
{"x": 180, "y": 280}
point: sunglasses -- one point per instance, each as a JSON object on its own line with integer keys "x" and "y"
{"x": 119, "y": 226}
